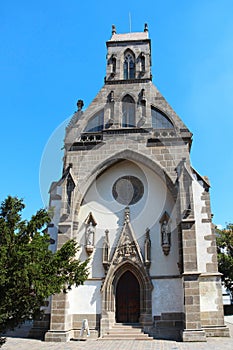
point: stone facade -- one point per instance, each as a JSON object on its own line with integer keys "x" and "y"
{"x": 137, "y": 208}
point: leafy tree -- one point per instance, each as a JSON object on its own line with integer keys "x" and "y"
{"x": 29, "y": 271}
{"x": 225, "y": 255}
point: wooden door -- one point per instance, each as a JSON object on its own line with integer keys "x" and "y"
{"x": 128, "y": 299}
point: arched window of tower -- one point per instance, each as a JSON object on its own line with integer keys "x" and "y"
{"x": 129, "y": 66}
{"x": 128, "y": 112}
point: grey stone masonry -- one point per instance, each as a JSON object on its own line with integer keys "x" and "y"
{"x": 130, "y": 120}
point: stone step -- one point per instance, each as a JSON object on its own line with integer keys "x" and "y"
{"x": 127, "y": 326}
{"x": 123, "y": 337}
{"x": 126, "y": 332}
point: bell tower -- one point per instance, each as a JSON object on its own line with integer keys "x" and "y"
{"x": 128, "y": 57}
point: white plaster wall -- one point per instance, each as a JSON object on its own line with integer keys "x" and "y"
{"x": 86, "y": 299}
{"x": 202, "y": 229}
{"x": 167, "y": 296}
{"x": 109, "y": 214}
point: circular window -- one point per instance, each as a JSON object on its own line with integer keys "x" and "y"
{"x": 128, "y": 190}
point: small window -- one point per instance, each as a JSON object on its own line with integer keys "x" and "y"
{"x": 96, "y": 123}
{"x": 114, "y": 64}
{"x": 143, "y": 63}
{"x": 128, "y": 112}
{"x": 129, "y": 66}
{"x": 160, "y": 120}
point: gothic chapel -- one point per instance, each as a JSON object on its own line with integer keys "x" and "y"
{"x": 139, "y": 211}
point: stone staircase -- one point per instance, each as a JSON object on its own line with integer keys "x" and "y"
{"x": 121, "y": 331}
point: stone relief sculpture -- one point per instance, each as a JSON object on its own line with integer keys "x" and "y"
{"x": 127, "y": 247}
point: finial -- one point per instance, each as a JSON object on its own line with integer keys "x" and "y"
{"x": 113, "y": 29}
{"x": 127, "y": 214}
{"x": 106, "y": 235}
{"x": 80, "y": 105}
{"x": 145, "y": 27}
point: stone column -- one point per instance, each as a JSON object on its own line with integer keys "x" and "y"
{"x": 192, "y": 318}
{"x": 212, "y": 315}
{"x": 61, "y": 322}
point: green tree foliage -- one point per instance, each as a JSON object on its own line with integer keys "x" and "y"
{"x": 225, "y": 255}
{"x": 29, "y": 271}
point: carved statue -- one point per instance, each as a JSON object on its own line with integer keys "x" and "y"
{"x": 69, "y": 190}
{"x": 90, "y": 234}
{"x": 90, "y": 223}
{"x": 106, "y": 250}
{"x": 147, "y": 247}
{"x": 165, "y": 237}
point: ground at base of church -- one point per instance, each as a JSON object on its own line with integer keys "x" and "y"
{"x": 211, "y": 344}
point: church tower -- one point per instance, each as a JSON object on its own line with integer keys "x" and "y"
{"x": 137, "y": 208}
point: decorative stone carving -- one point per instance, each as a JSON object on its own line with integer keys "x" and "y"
{"x": 90, "y": 233}
{"x": 127, "y": 214}
{"x": 147, "y": 248}
{"x": 165, "y": 233}
{"x": 106, "y": 248}
{"x": 127, "y": 249}
{"x": 126, "y": 257}
{"x": 70, "y": 185}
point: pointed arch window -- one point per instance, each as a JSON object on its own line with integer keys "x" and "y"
{"x": 143, "y": 63}
{"x": 129, "y": 66}
{"x": 113, "y": 64}
{"x": 96, "y": 123}
{"x": 128, "y": 112}
{"x": 160, "y": 120}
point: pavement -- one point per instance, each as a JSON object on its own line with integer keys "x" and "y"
{"x": 14, "y": 342}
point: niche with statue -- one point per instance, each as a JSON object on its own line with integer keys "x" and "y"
{"x": 165, "y": 222}
{"x": 90, "y": 223}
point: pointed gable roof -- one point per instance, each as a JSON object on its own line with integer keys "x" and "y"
{"x": 127, "y": 250}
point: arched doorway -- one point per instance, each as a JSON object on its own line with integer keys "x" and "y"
{"x": 128, "y": 299}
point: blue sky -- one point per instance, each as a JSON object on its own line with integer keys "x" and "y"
{"x": 52, "y": 53}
